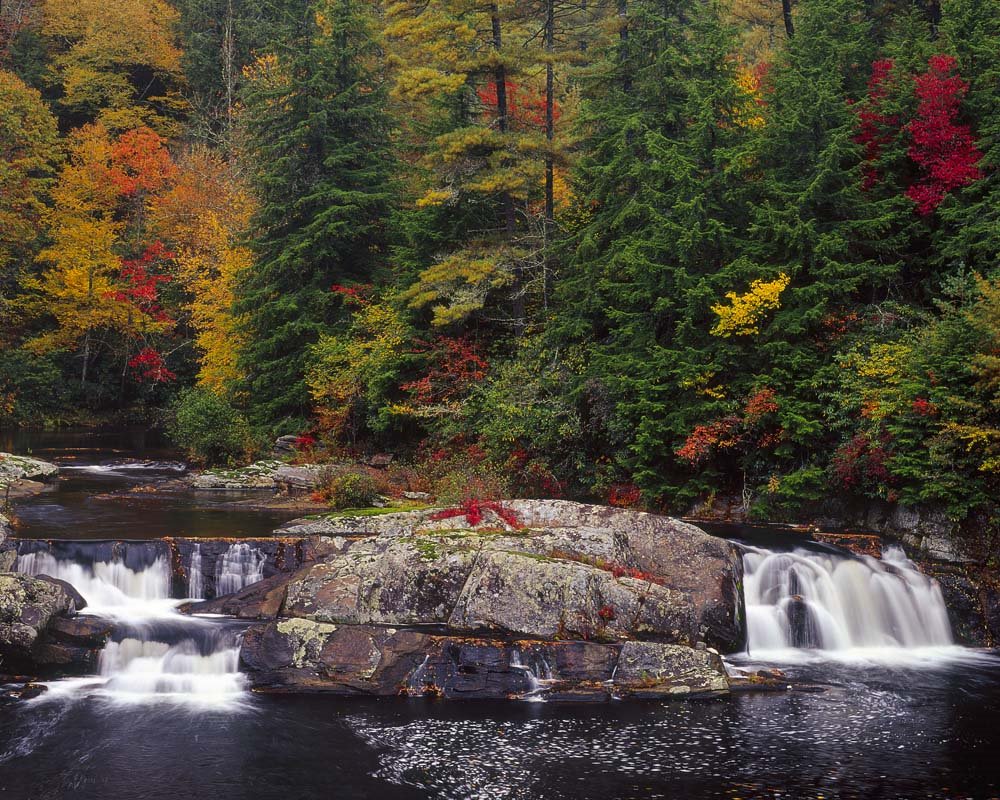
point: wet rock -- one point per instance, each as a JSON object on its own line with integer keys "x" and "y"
{"x": 78, "y": 603}
{"x": 27, "y": 605}
{"x": 653, "y": 670}
{"x": 260, "y": 600}
{"x": 303, "y": 655}
{"x": 32, "y": 690}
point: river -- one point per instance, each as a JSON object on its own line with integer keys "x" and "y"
{"x": 168, "y": 717}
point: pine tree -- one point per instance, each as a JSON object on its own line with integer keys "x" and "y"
{"x": 319, "y": 134}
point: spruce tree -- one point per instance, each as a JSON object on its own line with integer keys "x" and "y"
{"x": 661, "y": 136}
{"x": 319, "y": 135}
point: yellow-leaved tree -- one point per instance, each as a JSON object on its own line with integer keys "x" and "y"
{"x": 82, "y": 287}
{"x": 29, "y": 155}
{"x": 115, "y": 61}
{"x": 202, "y": 217}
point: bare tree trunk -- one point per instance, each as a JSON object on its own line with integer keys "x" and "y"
{"x": 228, "y": 71}
{"x": 786, "y": 13}
{"x": 550, "y": 135}
{"x": 623, "y": 37}
{"x": 507, "y": 202}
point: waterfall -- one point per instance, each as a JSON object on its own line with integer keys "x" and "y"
{"x": 155, "y": 653}
{"x": 196, "y": 581}
{"x": 538, "y": 673}
{"x": 239, "y": 566}
{"x": 828, "y": 601}
{"x": 110, "y": 587}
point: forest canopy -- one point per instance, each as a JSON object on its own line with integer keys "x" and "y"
{"x": 643, "y": 251}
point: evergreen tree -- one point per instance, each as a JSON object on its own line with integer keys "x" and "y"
{"x": 316, "y": 117}
{"x": 662, "y": 133}
{"x": 972, "y": 32}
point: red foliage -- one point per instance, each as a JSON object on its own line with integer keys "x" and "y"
{"x": 877, "y": 128}
{"x": 759, "y": 405}
{"x": 150, "y": 366}
{"x": 524, "y": 106}
{"x": 305, "y": 441}
{"x": 862, "y": 462}
{"x": 456, "y": 365}
{"x": 353, "y": 295}
{"x": 923, "y": 407}
{"x": 606, "y": 613}
{"x": 624, "y": 495}
{"x": 140, "y": 162}
{"x": 140, "y": 285}
{"x": 474, "y": 512}
{"x": 944, "y": 148}
{"x": 532, "y": 475}
{"x": 705, "y": 438}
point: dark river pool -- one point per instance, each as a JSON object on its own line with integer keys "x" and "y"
{"x": 911, "y": 723}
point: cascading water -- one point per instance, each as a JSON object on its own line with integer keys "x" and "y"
{"x": 155, "y": 653}
{"x": 196, "y": 581}
{"x": 829, "y": 601}
{"x": 238, "y": 567}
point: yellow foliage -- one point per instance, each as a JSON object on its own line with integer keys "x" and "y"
{"x": 347, "y": 366}
{"x": 202, "y": 217}
{"x": 743, "y": 315}
{"x": 99, "y": 44}
{"x": 747, "y": 113}
{"x": 457, "y": 286}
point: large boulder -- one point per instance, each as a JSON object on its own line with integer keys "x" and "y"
{"x": 528, "y": 595}
{"x": 27, "y": 606}
{"x": 568, "y": 569}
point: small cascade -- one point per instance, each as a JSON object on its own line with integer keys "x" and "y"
{"x": 135, "y": 668}
{"x": 110, "y": 588}
{"x": 196, "y": 581}
{"x": 538, "y": 673}
{"x": 831, "y": 601}
{"x": 238, "y": 567}
{"x": 155, "y": 652}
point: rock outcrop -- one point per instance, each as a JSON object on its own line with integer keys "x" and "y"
{"x": 16, "y": 468}
{"x": 297, "y": 655}
{"x": 27, "y": 606}
{"x": 537, "y": 596}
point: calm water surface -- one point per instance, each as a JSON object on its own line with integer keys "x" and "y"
{"x": 915, "y": 724}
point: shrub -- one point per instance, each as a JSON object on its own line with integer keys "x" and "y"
{"x": 210, "y": 429}
{"x": 352, "y": 490}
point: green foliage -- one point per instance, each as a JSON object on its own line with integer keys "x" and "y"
{"x": 210, "y": 429}
{"x": 319, "y": 140}
{"x": 351, "y": 490}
